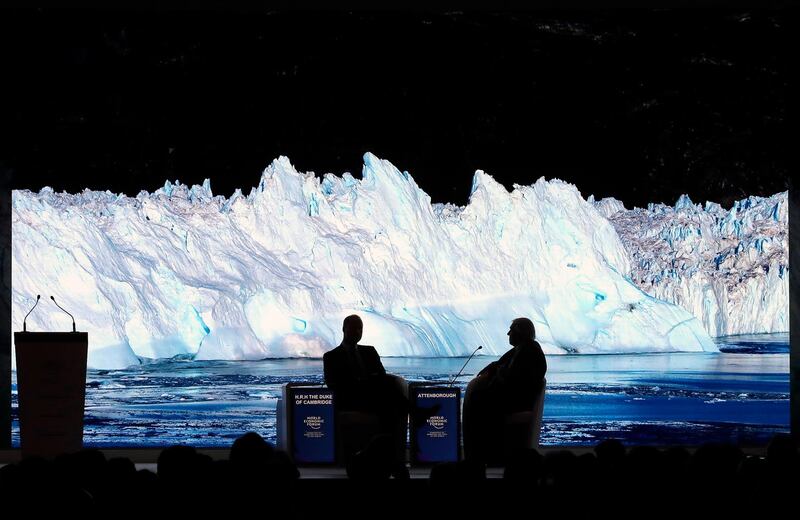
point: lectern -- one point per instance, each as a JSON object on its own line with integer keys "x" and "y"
{"x": 306, "y": 423}
{"x": 51, "y": 386}
{"x": 437, "y": 439}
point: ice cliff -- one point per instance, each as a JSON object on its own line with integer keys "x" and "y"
{"x": 182, "y": 272}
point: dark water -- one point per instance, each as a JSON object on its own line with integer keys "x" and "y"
{"x": 739, "y": 395}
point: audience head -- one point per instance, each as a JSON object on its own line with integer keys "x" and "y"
{"x": 644, "y": 465}
{"x": 521, "y": 331}
{"x": 254, "y": 459}
{"x": 352, "y": 328}
{"x": 716, "y": 463}
{"x": 121, "y": 468}
{"x": 528, "y": 466}
{"x": 177, "y": 465}
{"x": 561, "y": 466}
{"x": 89, "y": 467}
{"x": 610, "y": 452}
{"x": 251, "y": 451}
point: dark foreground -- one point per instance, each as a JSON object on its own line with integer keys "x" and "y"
{"x": 715, "y": 479}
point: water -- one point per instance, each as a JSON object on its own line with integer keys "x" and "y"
{"x": 740, "y": 395}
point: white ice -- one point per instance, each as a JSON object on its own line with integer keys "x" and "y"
{"x": 181, "y": 272}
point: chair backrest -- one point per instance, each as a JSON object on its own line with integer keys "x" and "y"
{"x": 538, "y": 412}
{"x": 281, "y": 421}
{"x": 531, "y": 419}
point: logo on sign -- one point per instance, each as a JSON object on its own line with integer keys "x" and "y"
{"x": 438, "y": 421}
{"x": 314, "y": 422}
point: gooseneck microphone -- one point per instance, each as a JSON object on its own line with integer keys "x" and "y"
{"x": 25, "y": 327}
{"x": 452, "y": 381}
{"x": 65, "y": 310}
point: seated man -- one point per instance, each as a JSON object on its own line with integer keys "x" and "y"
{"x": 510, "y": 384}
{"x": 356, "y": 374}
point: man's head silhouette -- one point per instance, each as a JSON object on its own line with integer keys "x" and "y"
{"x": 352, "y": 327}
{"x": 521, "y": 331}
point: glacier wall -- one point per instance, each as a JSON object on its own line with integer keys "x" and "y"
{"x": 181, "y": 272}
{"x": 729, "y": 268}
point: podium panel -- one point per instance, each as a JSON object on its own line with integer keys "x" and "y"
{"x": 51, "y": 386}
{"x": 438, "y": 439}
{"x": 310, "y": 412}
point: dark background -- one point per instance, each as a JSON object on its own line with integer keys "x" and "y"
{"x": 641, "y": 105}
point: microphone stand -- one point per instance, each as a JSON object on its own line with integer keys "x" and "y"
{"x": 24, "y": 326}
{"x": 453, "y": 380}
{"x": 65, "y": 310}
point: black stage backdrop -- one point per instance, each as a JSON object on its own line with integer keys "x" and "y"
{"x": 640, "y": 105}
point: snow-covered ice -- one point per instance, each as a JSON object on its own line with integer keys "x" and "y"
{"x": 182, "y": 272}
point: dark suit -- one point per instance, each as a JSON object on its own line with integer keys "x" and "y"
{"x": 349, "y": 378}
{"x": 511, "y": 384}
{"x": 360, "y": 383}
{"x": 513, "y": 380}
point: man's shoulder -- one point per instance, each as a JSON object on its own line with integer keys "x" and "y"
{"x": 335, "y": 351}
{"x": 533, "y": 347}
{"x": 529, "y": 354}
{"x": 369, "y": 352}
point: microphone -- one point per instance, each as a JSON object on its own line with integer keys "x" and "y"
{"x": 24, "y": 327}
{"x": 65, "y": 310}
{"x": 452, "y": 381}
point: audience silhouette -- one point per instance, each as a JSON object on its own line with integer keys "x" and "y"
{"x": 507, "y": 385}
{"x": 716, "y": 478}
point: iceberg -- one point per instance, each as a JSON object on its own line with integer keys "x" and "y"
{"x": 184, "y": 272}
{"x": 729, "y": 268}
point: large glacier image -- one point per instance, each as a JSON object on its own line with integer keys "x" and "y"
{"x": 199, "y": 307}
{"x": 181, "y": 272}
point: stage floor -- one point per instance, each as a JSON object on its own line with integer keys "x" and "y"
{"x": 340, "y": 473}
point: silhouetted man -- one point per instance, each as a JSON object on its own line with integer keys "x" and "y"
{"x": 511, "y": 384}
{"x": 360, "y": 382}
